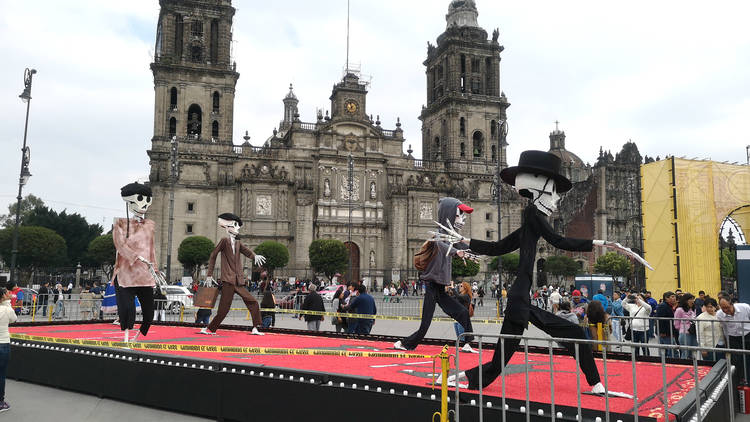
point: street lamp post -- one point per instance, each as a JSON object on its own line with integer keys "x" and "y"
{"x": 173, "y": 175}
{"x": 498, "y": 193}
{"x": 350, "y": 188}
{"x": 25, "y": 96}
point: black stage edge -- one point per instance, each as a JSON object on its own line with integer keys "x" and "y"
{"x": 219, "y": 390}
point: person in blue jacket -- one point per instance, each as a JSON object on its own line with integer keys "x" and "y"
{"x": 363, "y": 304}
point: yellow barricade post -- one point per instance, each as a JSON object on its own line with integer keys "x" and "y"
{"x": 33, "y": 309}
{"x": 444, "y": 368}
{"x": 182, "y": 313}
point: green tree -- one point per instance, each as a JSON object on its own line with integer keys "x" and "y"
{"x": 194, "y": 252}
{"x": 510, "y": 265}
{"x": 328, "y": 256}
{"x": 728, "y": 264}
{"x": 77, "y": 233}
{"x": 464, "y": 269}
{"x": 38, "y": 247}
{"x": 27, "y": 205}
{"x": 561, "y": 266}
{"x": 276, "y": 254}
{"x": 613, "y": 264}
{"x": 102, "y": 253}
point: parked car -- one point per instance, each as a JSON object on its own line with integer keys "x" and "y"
{"x": 288, "y": 301}
{"x": 29, "y": 295}
{"x": 328, "y": 291}
{"x": 178, "y": 298}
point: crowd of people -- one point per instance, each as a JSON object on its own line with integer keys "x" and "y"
{"x": 677, "y": 318}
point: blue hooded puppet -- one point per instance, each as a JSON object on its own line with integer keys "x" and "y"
{"x": 538, "y": 178}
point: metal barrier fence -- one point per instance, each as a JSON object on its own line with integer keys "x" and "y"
{"x": 700, "y": 408}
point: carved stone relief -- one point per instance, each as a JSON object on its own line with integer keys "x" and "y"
{"x": 263, "y": 205}
{"x": 425, "y": 211}
{"x": 345, "y": 189}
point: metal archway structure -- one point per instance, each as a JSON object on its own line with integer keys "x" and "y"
{"x": 685, "y": 204}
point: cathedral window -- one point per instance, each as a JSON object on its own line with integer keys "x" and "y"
{"x": 195, "y": 119}
{"x": 440, "y": 72}
{"x": 189, "y": 228}
{"x": 196, "y": 53}
{"x": 178, "y": 29}
{"x": 463, "y": 73}
{"x": 172, "y": 127}
{"x": 494, "y": 153}
{"x": 436, "y": 153}
{"x": 463, "y": 150}
{"x": 488, "y": 76}
{"x": 215, "y": 129}
{"x": 462, "y": 127}
{"x": 191, "y": 207}
{"x": 216, "y": 102}
{"x": 478, "y": 142}
{"x": 196, "y": 29}
{"x": 493, "y": 129}
{"x": 475, "y": 65}
{"x": 214, "y": 41}
{"x": 476, "y": 86}
{"x": 173, "y": 99}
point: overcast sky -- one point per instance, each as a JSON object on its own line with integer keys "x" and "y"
{"x": 670, "y": 75}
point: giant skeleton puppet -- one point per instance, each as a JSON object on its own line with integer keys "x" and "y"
{"x": 437, "y": 275}
{"x": 232, "y": 276}
{"x": 538, "y": 178}
{"x": 134, "y": 274}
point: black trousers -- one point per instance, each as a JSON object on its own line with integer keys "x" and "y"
{"x": 550, "y": 324}
{"x": 126, "y": 306}
{"x": 435, "y": 293}
{"x": 741, "y": 361}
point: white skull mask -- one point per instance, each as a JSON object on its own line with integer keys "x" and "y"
{"x": 460, "y": 221}
{"x": 540, "y": 189}
{"x": 232, "y": 227}
{"x": 138, "y": 204}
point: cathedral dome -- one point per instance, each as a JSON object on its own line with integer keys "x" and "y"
{"x": 290, "y": 95}
{"x": 462, "y": 13}
{"x": 572, "y": 166}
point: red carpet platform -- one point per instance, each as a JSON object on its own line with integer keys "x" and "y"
{"x": 405, "y": 371}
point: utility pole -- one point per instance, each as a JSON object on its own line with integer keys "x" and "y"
{"x": 172, "y": 181}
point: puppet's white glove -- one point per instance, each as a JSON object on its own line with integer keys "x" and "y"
{"x": 259, "y": 260}
{"x": 468, "y": 255}
{"x": 627, "y": 251}
{"x": 210, "y": 281}
{"x": 450, "y": 235}
{"x": 144, "y": 260}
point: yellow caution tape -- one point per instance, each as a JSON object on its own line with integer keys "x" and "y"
{"x": 171, "y": 347}
{"x": 368, "y": 316}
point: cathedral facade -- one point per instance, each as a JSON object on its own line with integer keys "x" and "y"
{"x": 343, "y": 175}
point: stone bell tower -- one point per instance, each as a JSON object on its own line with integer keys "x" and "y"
{"x": 194, "y": 78}
{"x": 465, "y": 107}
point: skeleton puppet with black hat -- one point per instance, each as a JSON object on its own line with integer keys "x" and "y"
{"x": 538, "y": 178}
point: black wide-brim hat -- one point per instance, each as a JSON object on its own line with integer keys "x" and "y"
{"x": 538, "y": 162}
{"x": 230, "y": 217}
